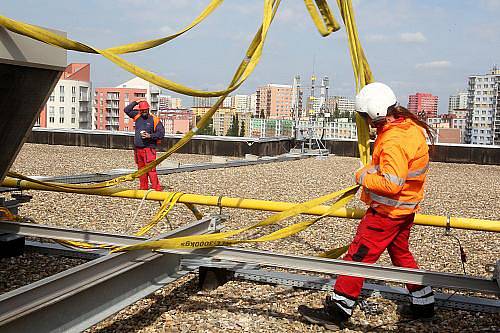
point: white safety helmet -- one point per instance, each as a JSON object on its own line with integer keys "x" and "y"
{"x": 374, "y": 99}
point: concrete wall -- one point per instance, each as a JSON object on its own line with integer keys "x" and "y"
{"x": 229, "y": 146}
{"x": 449, "y": 153}
{"x": 203, "y": 145}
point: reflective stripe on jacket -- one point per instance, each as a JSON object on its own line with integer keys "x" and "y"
{"x": 393, "y": 183}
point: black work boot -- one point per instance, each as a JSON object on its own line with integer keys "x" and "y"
{"x": 416, "y": 311}
{"x": 331, "y": 316}
{"x": 421, "y": 304}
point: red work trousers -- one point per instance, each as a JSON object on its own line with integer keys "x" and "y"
{"x": 142, "y": 157}
{"x": 376, "y": 233}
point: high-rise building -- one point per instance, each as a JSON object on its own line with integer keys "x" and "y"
{"x": 345, "y": 104}
{"x": 274, "y": 101}
{"x": 458, "y": 101}
{"x": 166, "y": 102}
{"x": 483, "y": 118}
{"x": 424, "y": 105}
{"x": 109, "y": 104}
{"x": 69, "y": 104}
{"x": 253, "y": 104}
{"x": 241, "y": 103}
{"x": 203, "y": 102}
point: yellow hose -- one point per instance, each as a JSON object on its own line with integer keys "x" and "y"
{"x": 262, "y": 205}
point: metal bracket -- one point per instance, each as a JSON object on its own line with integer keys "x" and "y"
{"x": 447, "y": 231}
{"x": 216, "y": 221}
{"x": 496, "y": 273}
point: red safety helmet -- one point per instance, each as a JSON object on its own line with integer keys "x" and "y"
{"x": 143, "y": 105}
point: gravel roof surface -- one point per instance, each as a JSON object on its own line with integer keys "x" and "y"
{"x": 452, "y": 189}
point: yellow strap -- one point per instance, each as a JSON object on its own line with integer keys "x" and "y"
{"x": 253, "y": 55}
{"x": 223, "y": 238}
{"x": 326, "y": 24}
{"x": 362, "y": 74}
{"x": 68, "y": 44}
{"x": 63, "y": 42}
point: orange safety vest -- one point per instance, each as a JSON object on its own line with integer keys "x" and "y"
{"x": 156, "y": 120}
{"x": 393, "y": 183}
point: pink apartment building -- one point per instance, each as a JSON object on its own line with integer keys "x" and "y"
{"x": 274, "y": 101}
{"x": 423, "y": 104}
{"x": 177, "y": 121}
{"x": 109, "y": 105}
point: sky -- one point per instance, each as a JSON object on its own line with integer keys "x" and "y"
{"x": 413, "y": 46}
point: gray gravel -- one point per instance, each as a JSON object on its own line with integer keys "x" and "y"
{"x": 454, "y": 189}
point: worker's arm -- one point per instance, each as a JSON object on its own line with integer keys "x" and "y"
{"x": 390, "y": 175}
{"x": 129, "y": 110}
{"x": 159, "y": 134}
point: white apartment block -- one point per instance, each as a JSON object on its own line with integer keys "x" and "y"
{"x": 458, "y": 101}
{"x": 253, "y": 104}
{"x": 345, "y": 104}
{"x": 241, "y": 103}
{"x": 69, "y": 105}
{"x": 483, "y": 109}
{"x": 166, "y": 102}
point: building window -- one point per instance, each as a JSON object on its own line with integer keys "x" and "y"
{"x": 73, "y": 120}
{"x": 73, "y": 99}
{"x": 52, "y": 98}
{"x": 61, "y": 111}
{"x": 61, "y": 120}
{"x": 73, "y": 111}
{"x": 61, "y": 99}
{"x": 73, "y": 90}
{"x": 51, "y": 119}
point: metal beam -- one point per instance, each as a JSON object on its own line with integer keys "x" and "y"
{"x": 80, "y": 297}
{"x": 107, "y": 175}
{"x": 254, "y": 273}
{"x": 452, "y": 301}
{"x": 331, "y": 266}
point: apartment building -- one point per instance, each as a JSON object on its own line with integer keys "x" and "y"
{"x": 177, "y": 121}
{"x": 424, "y": 105}
{"x": 108, "y": 107}
{"x": 483, "y": 118}
{"x": 69, "y": 104}
{"x": 152, "y": 91}
{"x": 166, "y": 102}
{"x": 457, "y": 101}
{"x": 274, "y": 101}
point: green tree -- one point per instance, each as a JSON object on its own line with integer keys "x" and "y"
{"x": 336, "y": 112}
{"x": 242, "y": 128}
{"x": 208, "y": 129}
{"x": 234, "y": 127}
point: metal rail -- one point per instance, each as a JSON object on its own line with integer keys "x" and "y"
{"x": 107, "y": 175}
{"x": 452, "y": 301}
{"x": 255, "y": 274}
{"x": 316, "y": 264}
{"x": 80, "y": 297}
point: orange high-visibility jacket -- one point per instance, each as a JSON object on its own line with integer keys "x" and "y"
{"x": 393, "y": 183}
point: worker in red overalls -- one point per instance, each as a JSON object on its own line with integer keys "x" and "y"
{"x": 148, "y": 132}
{"x": 393, "y": 187}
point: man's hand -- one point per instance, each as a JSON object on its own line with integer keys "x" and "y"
{"x": 145, "y": 135}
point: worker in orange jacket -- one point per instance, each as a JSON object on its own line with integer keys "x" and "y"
{"x": 393, "y": 186}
